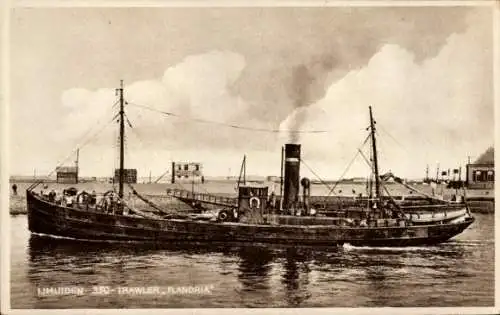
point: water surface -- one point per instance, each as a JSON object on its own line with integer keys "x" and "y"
{"x": 457, "y": 273}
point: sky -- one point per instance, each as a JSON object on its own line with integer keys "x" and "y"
{"x": 426, "y": 72}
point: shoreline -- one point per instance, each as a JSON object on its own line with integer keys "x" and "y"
{"x": 478, "y": 203}
{"x": 480, "y": 200}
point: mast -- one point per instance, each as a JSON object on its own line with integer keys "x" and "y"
{"x": 244, "y": 170}
{"x": 76, "y": 164}
{"x": 437, "y": 174}
{"x": 374, "y": 152}
{"x": 281, "y": 177}
{"x": 122, "y": 138}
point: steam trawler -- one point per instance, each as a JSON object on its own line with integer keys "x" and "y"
{"x": 253, "y": 217}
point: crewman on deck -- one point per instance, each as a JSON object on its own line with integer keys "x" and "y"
{"x": 14, "y": 189}
{"x": 52, "y": 195}
{"x": 272, "y": 200}
{"x": 93, "y": 197}
{"x": 69, "y": 200}
{"x": 111, "y": 204}
{"x": 119, "y": 207}
{"x": 105, "y": 204}
{"x": 313, "y": 212}
{"x": 44, "y": 190}
{"x": 58, "y": 199}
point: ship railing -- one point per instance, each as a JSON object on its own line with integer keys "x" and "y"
{"x": 202, "y": 197}
{"x": 434, "y": 207}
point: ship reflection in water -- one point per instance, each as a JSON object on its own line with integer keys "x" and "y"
{"x": 456, "y": 273}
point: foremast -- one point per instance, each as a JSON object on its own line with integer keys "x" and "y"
{"x": 375, "y": 159}
{"x": 122, "y": 139}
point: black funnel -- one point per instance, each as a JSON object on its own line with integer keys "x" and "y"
{"x": 292, "y": 175}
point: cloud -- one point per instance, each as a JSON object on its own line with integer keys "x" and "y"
{"x": 196, "y": 88}
{"x": 439, "y": 109}
{"x": 298, "y": 69}
{"x": 324, "y": 65}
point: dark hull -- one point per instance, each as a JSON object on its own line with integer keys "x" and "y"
{"x": 51, "y": 219}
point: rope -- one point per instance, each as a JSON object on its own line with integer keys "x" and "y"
{"x": 317, "y": 176}
{"x": 422, "y": 193}
{"x": 146, "y": 200}
{"x": 394, "y": 202}
{"x": 229, "y": 125}
{"x": 35, "y": 184}
{"x": 370, "y": 165}
{"x": 347, "y": 168}
{"x": 366, "y": 159}
{"x": 393, "y": 139}
{"x": 139, "y": 212}
{"x": 399, "y": 181}
{"x": 138, "y": 137}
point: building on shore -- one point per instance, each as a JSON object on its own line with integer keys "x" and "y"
{"x": 481, "y": 173}
{"x": 129, "y": 176}
{"x": 67, "y": 174}
{"x": 187, "y": 172}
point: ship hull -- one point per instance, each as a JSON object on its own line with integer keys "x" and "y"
{"x": 52, "y": 219}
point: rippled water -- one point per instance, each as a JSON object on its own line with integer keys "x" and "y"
{"x": 457, "y": 273}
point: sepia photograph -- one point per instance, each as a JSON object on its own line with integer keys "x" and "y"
{"x": 309, "y": 155}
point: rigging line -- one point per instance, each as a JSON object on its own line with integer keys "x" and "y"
{"x": 392, "y": 199}
{"x": 348, "y": 167}
{"x": 230, "y": 125}
{"x": 32, "y": 186}
{"x": 142, "y": 143}
{"x": 99, "y": 131}
{"x": 85, "y": 135}
{"x": 393, "y": 138}
{"x": 128, "y": 121}
{"x": 405, "y": 185}
{"x": 86, "y": 142}
{"x": 382, "y": 145}
{"x": 147, "y": 201}
{"x": 136, "y": 135}
{"x": 366, "y": 160}
{"x": 314, "y": 173}
{"x": 99, "y": 121}
{"x": 424, "y": 194}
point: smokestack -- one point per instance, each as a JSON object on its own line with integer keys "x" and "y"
{"x": 292, "y": 174}
{"x": 172, "y": 180}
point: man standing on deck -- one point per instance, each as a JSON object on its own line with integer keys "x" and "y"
{"x": 69, "y": 200}
{"x": 111, "y": 204}
{"x": 52, "y": 195}
{"x": 93, "y": 198}
{"x": 43, "y": 192}
{"x": 14, "y": 189}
